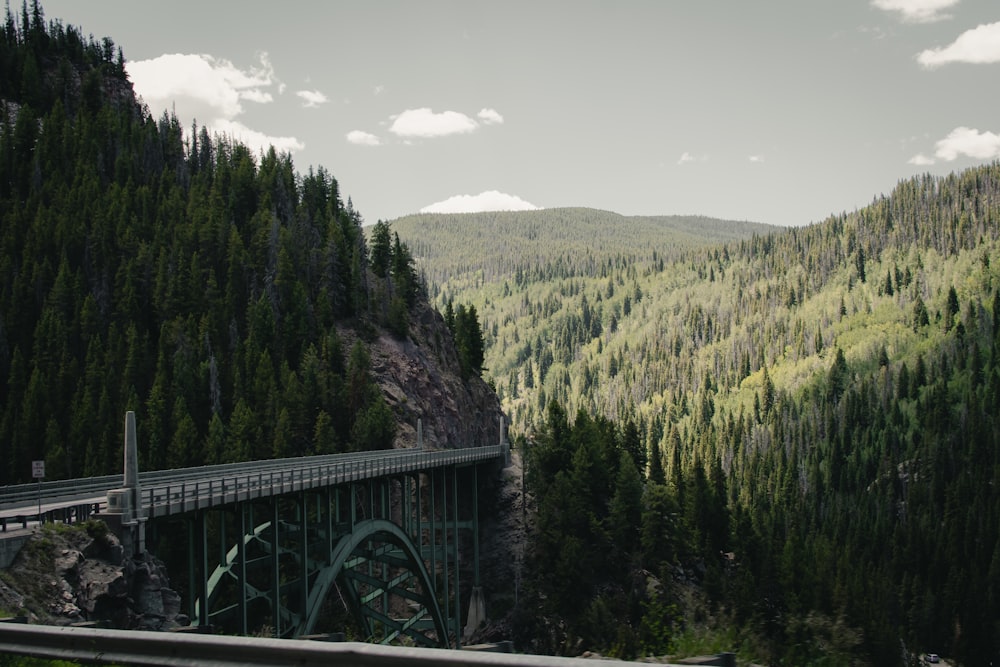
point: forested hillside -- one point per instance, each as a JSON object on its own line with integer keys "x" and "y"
{"x": 834, "y": 392}
{"x": 227, "y": 299}
{"x": 463, "y": 251}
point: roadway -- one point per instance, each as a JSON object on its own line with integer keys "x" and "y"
{"x": 166, "y": 492}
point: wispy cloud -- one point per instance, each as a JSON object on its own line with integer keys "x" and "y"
{"x": 490, "y": 117}
{"x": 378, "y": 90}
{"x": 491, "y": 200}
{"x": 962, "y": 141}
{"x": 360, "y": 138}
{"x": 980, "y": 45}
{"x": 312, "y": 98}
{"x": 211, "y": 91}
{"x": 688, "y": 157}
{"x": 756, "y": 158}
{"x": 917, "y": 11}
{"x": 255, "y": 139}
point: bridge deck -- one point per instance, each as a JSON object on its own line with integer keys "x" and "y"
{"x": 166, "y": 492}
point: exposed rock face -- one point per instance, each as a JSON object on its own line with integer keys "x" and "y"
{"x": 420, "y": 378}
{"x": 71, "y": 574}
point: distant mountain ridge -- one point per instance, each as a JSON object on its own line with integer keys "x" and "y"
{"x": 449, "y": 245}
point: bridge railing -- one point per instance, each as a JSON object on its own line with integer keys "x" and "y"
{"x": 173, "y": 496}
{"x": 25, "y": 495}
{"x": 165, "y": 487}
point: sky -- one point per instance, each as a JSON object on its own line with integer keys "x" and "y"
{"x": 775, "y": 111}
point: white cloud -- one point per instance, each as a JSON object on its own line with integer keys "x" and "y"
{"x": 490, "y": 117}
{"x": 962, "y": 141}
{"x": 969, "y": 142}
{"x": 756, "y": 158}
{"x": 917, "y": 11}
{"x": 379, "y": 89}
{"x": 211, "y": 91}
{"x": 491, "y": 200}
{"x": 979, "y": 45}
{"x": 256, "y": 141}
{"x": 921, "y": 160}
{"x": 312, "y": 98}
{"x": 685, "y": 157}
{"x": 425, "y": 123}
{"x": 361, "y": 138}
{"x": 215, "y": 84}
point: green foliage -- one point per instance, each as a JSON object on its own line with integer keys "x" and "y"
{"x": 840, "y": 379}
{"x": 374, "y": 427}
{"x": 381, "y": 248}
{"x": 603, "y": 543}
{"x": 175, "y": 274}
{"x": 464, "y": 325}
{"x": 7, "y": 660}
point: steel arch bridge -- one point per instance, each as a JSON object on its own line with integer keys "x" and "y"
{"x": 386, "y": 549}
{"x": 284, "y": 541}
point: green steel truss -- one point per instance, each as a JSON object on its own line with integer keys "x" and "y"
{"x": 384, "y": 549}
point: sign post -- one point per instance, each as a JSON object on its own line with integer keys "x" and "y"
{"x": 38, "y": 472}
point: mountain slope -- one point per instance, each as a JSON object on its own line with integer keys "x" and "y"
{"x": 225, "y": 298}
{"x": 457, "y": 248}
{"x": 842, "y": 378}
{"x": 528, "y": 274}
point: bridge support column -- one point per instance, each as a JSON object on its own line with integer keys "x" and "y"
{"x": 125, "y": 515}
{"x": 198, "y": 568}
{"x": 477, "y": 612}
{"x": 241, "y": 566}
{"x": 477, "y": 602}
{"x": 455, "y": 564}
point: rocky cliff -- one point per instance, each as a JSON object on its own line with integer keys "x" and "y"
{"x": 420, "y": 378}
{"x": 76, "y": 574}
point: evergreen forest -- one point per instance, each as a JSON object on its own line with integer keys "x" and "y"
{"x": 225, "y": 298}
{"x": 780, "y": 442}
{"x": 812, "y": 414}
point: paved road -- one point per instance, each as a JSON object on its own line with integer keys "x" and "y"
{"x": 168, "y": 492}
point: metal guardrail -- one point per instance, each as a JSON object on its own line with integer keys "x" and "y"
{"x": 164, "y": 649}
{"x": 17, "y": 495}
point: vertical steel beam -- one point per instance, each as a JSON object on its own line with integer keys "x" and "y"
{"x": 241, "y": 566}
{"x": 417, "y": 511}
{"x": 304, "y": 554}
{"x": 275, "y": 569}
{"x": 475, "y": 525}
{"x": 354, "y": 506}
{"x": 406, "y": 504}
{"x": 222, "y": 537}
{"x": 454, "y": 541}
{"x": 432, "y": 535}
{"x": 201, "y": 529}
{"x": 449, "y": 622}
{"x": 192, "y": 547}
{"x": 329, "y": 508}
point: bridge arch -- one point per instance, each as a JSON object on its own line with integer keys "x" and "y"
{"x": 395, "y": 569}
{"x": 360, "y": 545}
